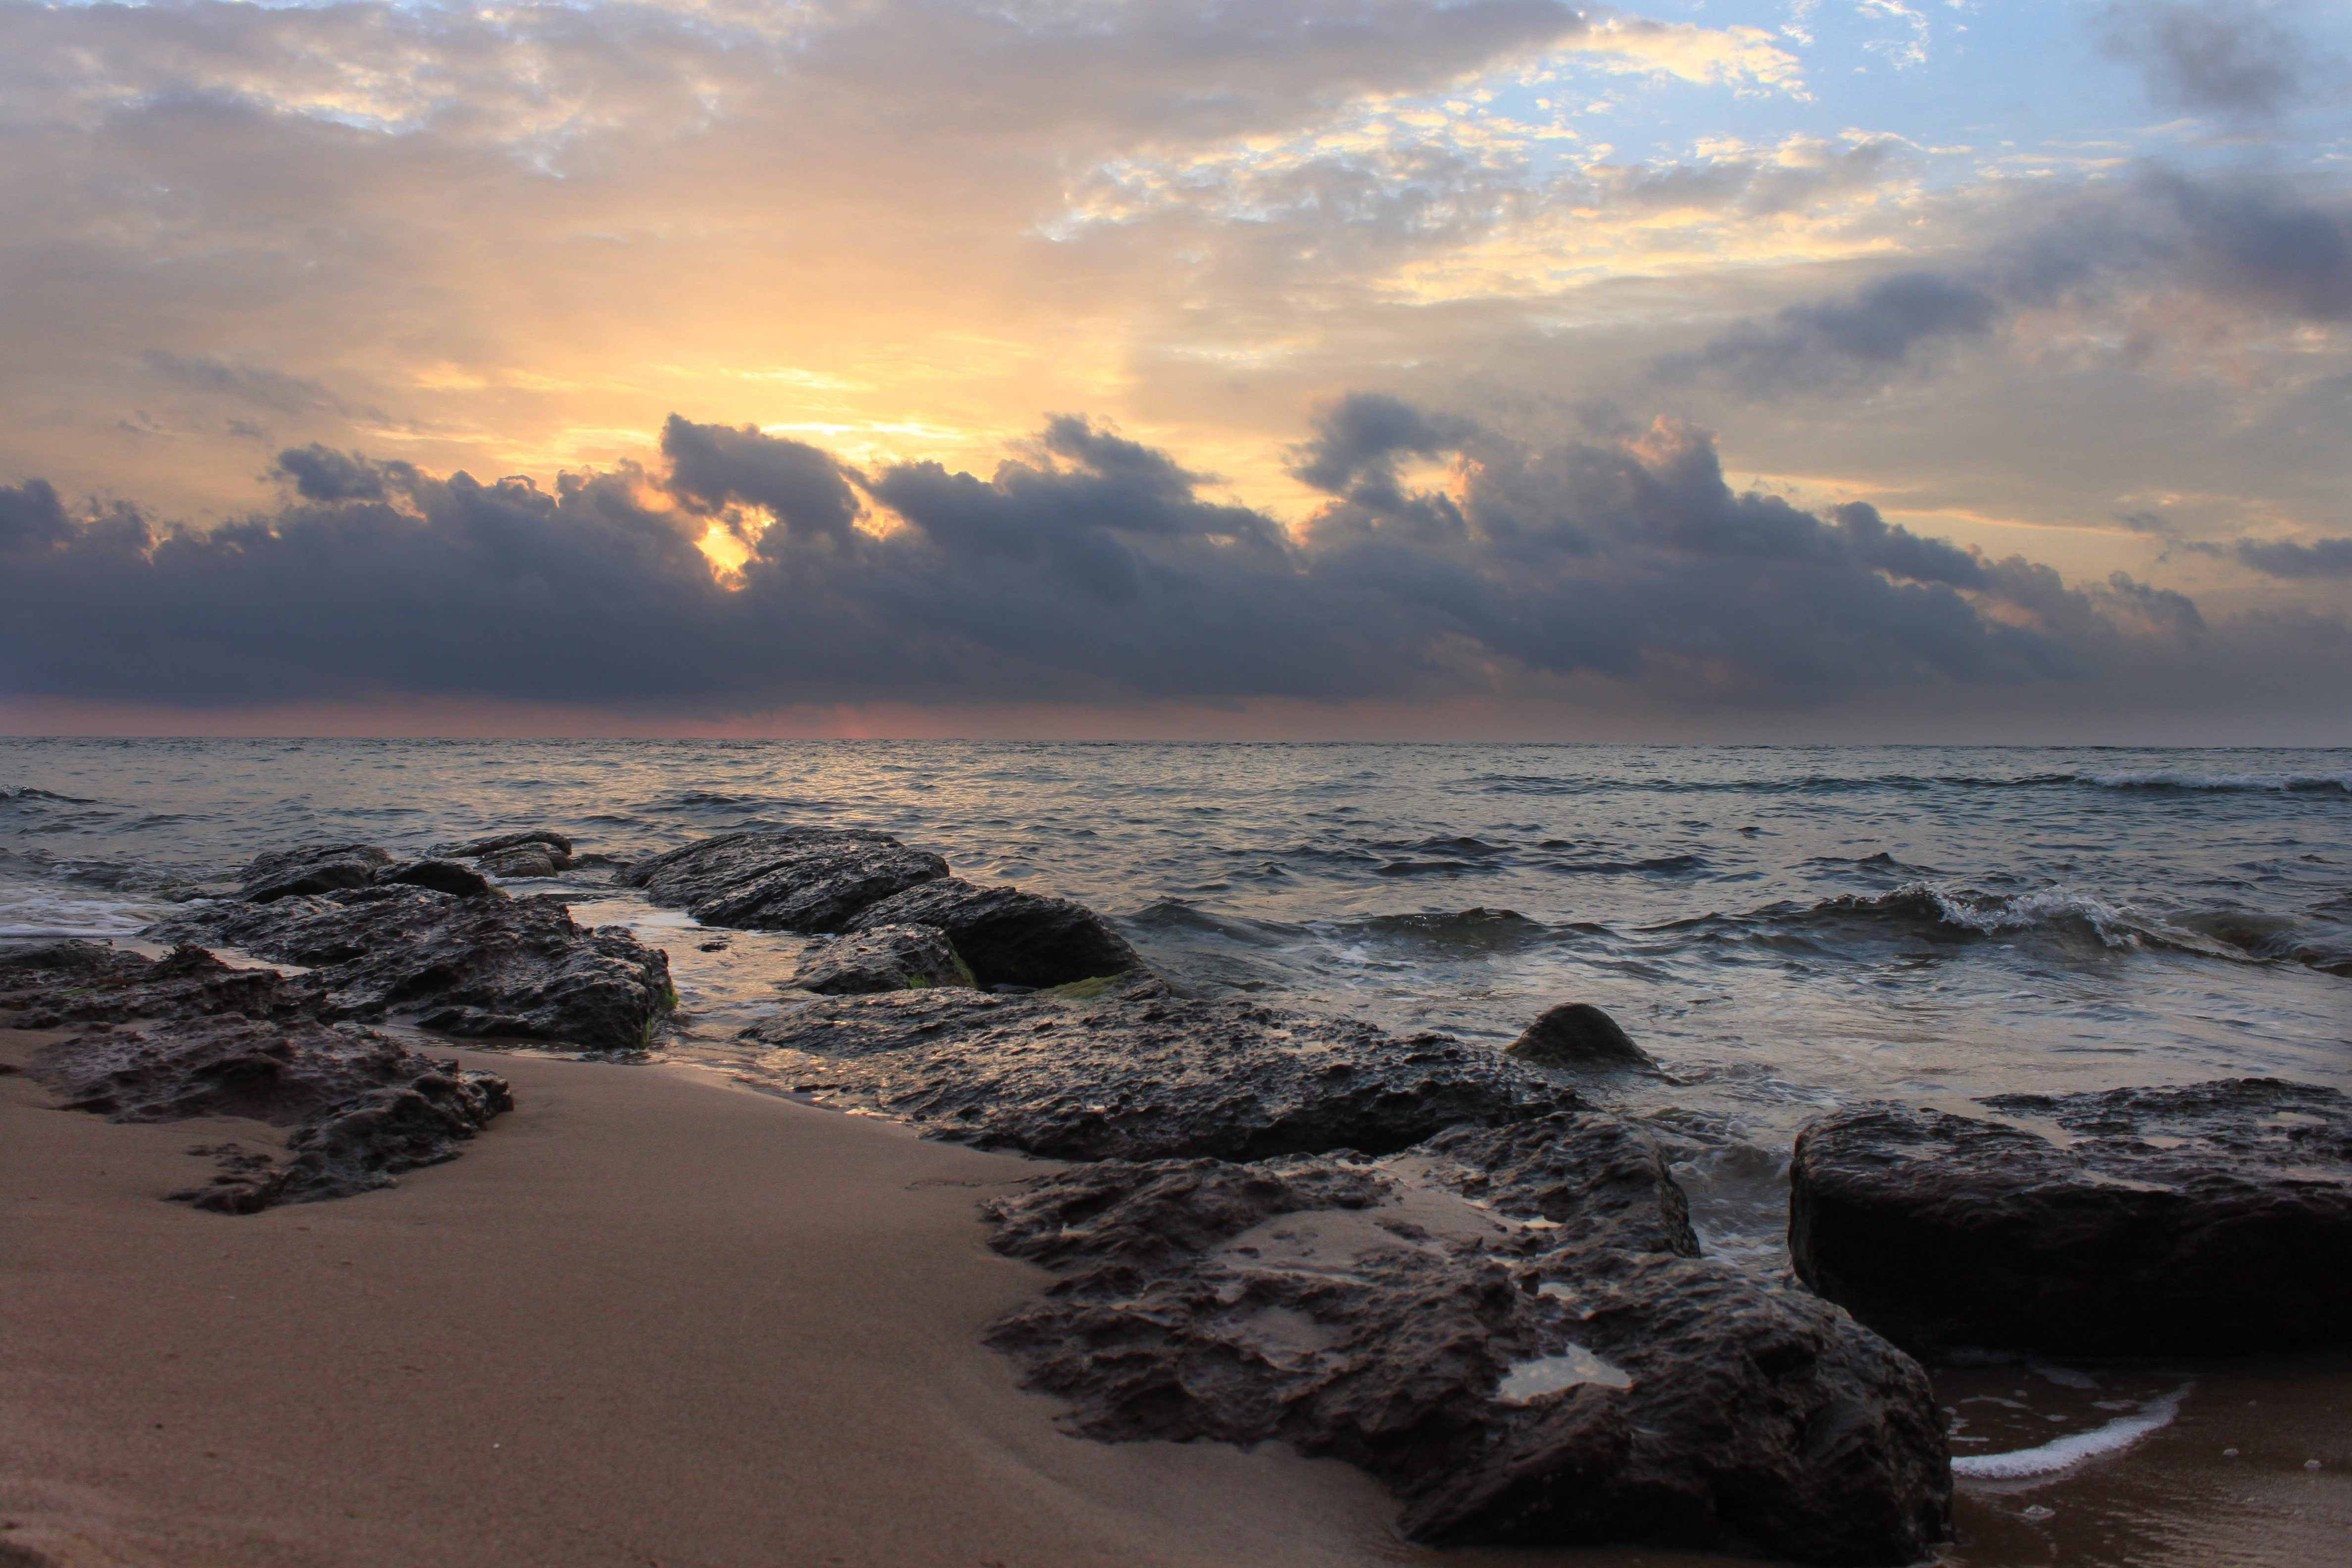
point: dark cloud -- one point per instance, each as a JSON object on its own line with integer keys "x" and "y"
{"x": 2284, "y": 558}
{"x": 2224, "y": 56}
{"x": 1091, "y": 569}
{"x": 257, "y": 386}
{"x": 1827, "y": 342}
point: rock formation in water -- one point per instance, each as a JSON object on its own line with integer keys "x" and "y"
{"x": 795, "y": 878}
{"x": 1577, "y": 1035}
{"x": 60, "y": 983}
{"x": 886, "y": 958}
{"x": 487, "y": 965}
{"x": 1137, "y": 1074}
{"x": 311, "y": 868}
{"x": 1506, "y": 1326}
{"x": 1010, "y": 937}
{"x": 2207, "y": 1220}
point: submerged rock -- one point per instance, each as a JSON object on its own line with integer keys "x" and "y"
{"x": 797, "y": 878}
{"x": 478, "y": 966}
{"x": 1578, "y": 1034}
{"x": 310, "y": 868}
{"x": 887, "y": 958}
{"x": 2205, "y": 1220}
{"x": 1139, "y": 1074}
{"x": 1553, "y": 1368}
{"x": 1010, "y": 937}
{"x": 363, "y": 1106}
{"x": 79, "y": 982}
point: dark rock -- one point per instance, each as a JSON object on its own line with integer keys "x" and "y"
{"x": 2207, "y": 1220}
{"x": 1137, "y": 1074}
{"x": 1010, "y": 937}
{"x": 1550, "y": 1370}
{"x": 363, "y": 1106}
{"x": 515, "y": 967}
{"x": 530, "y": 860}
{"x": 799, "y": 878}
{"x": 441, "y": 876}
{"x": 1578, "y": 1034}
{"x": 887, "y": 958}
{"x": 472, "y": 848}
{"x": 311, "y": 868}
{"x": 79, "y": 982}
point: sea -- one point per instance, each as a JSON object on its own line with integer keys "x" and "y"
{"x": 1785, "y": 930}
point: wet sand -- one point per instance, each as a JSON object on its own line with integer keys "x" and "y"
{"x": 653, "y": 1317}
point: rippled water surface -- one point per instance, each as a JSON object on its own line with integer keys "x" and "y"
{"x": 1784, "y": 929}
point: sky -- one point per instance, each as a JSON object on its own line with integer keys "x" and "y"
{"x": 1719, "y": 370}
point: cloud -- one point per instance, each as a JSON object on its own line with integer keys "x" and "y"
{"x": 1830, "y": 341}
{"x": 1623, "y": 572}
{"x": 2286, "y": 558}
{"x": 2233, "y": 58}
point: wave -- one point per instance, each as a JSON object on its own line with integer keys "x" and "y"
{"x": 26, "y": 792}
{"x": 1934, "y": 911}
{"x": 2076, "y": 1446}
{"x": 2181, "y": 779}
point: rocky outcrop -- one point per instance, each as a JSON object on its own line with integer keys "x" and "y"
{"x": 2205, "y": 1220}
{"x": 1139, "y": 1074}
{"x": 65, "y": 983}
{"x": 474, "y": 848}
{"x": 363, "y": 1106}
{"x": 527, "y": 860}
{"x": 480, "y": 966}
{"x": 441, "y": 876}
{"x": 887, "y": 958}
{"x": 1007, "y": 936}
{"x": 1547, "y": 1364}
{"x": 1577, "y": 1035}
{"x": 797, "y": 878}
{"x": 310, "y": 868}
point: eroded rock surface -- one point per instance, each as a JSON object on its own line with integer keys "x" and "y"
{"x": 78, "y": 983}
{"x": 1010, "y": 937}
{"x": 1577, "y": 1035}
{"x": 311, "y": 868}
{"x": 474, "y": 848}
{"x": 363, "y": 1106}
{"x": 797, "y": 878}
{"x": 441, "y": 876}
{"x": 1139, "y": 1074}
{"x": 2205, "y": 1219}
{"x": 472, "y": 967}
{"x": 1551, "y": 1369}
{"x": 887, "y": 958}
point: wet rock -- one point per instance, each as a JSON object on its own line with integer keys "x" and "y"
{"x": 1550, "y": 1370}
{"x": 310, "y": 868}
{"x": 1139, "y": 1074}
{"x": 1578, "y": 1034}
{"x": 887, "y": 958}
{"x": 441, "y": 876}
{"x": 363, "y": 1106}
{"x": 799, "y": 878}
{"x": 1010, "y": 937}
{"x": 530, "y": 860}
{"x": 473, "y": 967}
{"x": 78, "y": 982}
{"x": 474, "y": 848}
{"x": 2207, "y": 1219}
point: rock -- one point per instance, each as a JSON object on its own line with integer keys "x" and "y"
{"x": 2209, "y": 1219}
{"x": 1140, "y": 1075}
{"x": 79, "y": 982}
{"x": 1554, "y": 1370}
{"x": 441, "y": 876}
{"x": 799, "y": 878}
{"x": 1578, "y": 1034}
{"x": 887, "y": 958}
{"x": 311, "y": 868}
{"x": 530, "y": 860}
{"x": 363, "y": 1106}
{"x": 1010, "y": 937}
{"x": 473, "y": 848}
{"x": 516, "y": 967}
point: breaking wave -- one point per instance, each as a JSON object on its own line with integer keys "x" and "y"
{"x": 2074, "y": 1447}
{"x": 2179, "y": 779}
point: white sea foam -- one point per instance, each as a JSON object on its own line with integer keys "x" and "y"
{"x": 2117, "y": 925}
{"x": 2177, "y": 778}
{"x": 2074, "y": 1447}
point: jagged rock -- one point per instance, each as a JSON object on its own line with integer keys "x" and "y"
{"x": 529, "y": 860}
{"x": 517, "y": 967}
{"x": 1578, "y": 1034}
{"x": 441, "y": 876}
{"x": 2205, "y": 1220}
{"x": 79, "y": 982}
{"x": 363, "y": 1106}
{"x": 1007, "y": 936}
{"x": 311, "y": 868}
{"x": 472, "y": 848}
{"x": 887, "y": 958}
{"x": 798, "y": 879}
{"x": 1550, "y": 1370}
{"x": 1139, "y": 1074}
